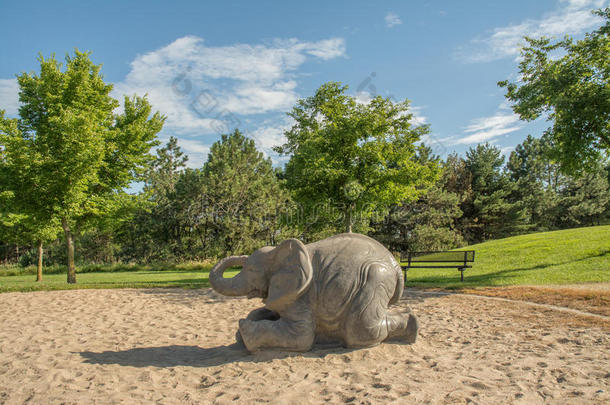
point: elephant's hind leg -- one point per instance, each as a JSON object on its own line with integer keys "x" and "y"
{"x": 402, "y": 328}
{"x": 377, "y": 325}
{"x": 369, "y": 322}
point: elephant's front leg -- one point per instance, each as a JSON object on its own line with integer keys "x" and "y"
{"x": 263, "y": 314}
{"x": 293, "y": 331}
{"x": 259, "y": 314}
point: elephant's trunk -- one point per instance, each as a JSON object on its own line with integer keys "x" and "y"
{"x": 229, "y": 286}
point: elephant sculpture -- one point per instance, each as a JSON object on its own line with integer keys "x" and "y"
{"x": 336, "y": 289}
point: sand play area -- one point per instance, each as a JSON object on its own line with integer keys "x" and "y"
{"x": 175, "y": 346}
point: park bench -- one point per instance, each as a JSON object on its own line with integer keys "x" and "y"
{"x": 437, "y": 260}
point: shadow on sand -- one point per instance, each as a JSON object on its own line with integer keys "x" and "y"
{"x": 170, "y": 356}
{"x": 195, "y": 356}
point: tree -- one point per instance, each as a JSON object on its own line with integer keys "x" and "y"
{"x": 425, "y": 224}
{"x": 192, "y": 208}
{"x": 21, "y": 212}
{"x": 244, "y": 197}
{"x": 586, "y": 199}
{"x": 574, "y": 90}
{"x": 489, "y": 212}
{"x": 538, "y": 182}
{"x": 156, "y": 225}
{"x": 72, "y": 153}
{"x": 231, "y": 205}
{"x": 355, "y": 158}
{"x": 165, "y": 169}
{"x": 428, "y": 223}
{"x": 551, "y": 199}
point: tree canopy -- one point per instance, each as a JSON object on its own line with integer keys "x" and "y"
{"x": 353, "y": 157}
{"x": 244, "y": 194}
{"x": 572, "y": 89}
{"x": 69, "y": 152}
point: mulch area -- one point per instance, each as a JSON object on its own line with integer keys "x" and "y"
{"x": 593, "y": 298}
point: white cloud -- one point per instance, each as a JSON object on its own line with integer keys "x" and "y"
{"x": 270, "y": 134}
{"x": 195, "y": 150}
{"x": 392, "y": 19}
{"x": 418, "y": 117}
{"x": 487, "y": 128}
{"x": 325, "y": 49}
{"x": 250, "y": 98}
{"x": 203, "y": 88}
{"x": 9, "y": 96}
{"x": 573, "y": 17}
{"x": 206, "y": 90}
{"x": 363, "y": 97}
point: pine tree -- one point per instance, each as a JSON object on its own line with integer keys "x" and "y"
{"x": 489, "y": 211}
{"x": 244, "y": 195}
{"x": 586, "y": 199}
{"x": 538, "y": 182}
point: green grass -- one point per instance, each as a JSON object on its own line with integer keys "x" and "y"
{"x": 570, "y": 256}
{"x": 579, "y": 255}
{"x": 14, "y": 270}
{"x": 171, "y": 276}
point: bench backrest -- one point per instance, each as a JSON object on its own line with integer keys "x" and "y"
{"x": 463, "y": 256}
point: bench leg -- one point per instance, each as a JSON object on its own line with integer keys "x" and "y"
{"x": 461, "y": 269}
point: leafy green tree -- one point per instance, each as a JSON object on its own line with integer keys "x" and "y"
{"x": 11, "y": 232}
{"x": 573, "y": 89}
{"x": 231, "y": 205}
{"x": 31, "y": 230}
{"x": 354, "y": 158}
{"x": 428, "y": 223}
{"x": 456, "y": 178}
{"x": 21, "y": 213}
{"x": 100, "y": 239}
{"x": 9, "y": 218}
{"x": 73, "y": 153}
{"x": 164, "y": 174}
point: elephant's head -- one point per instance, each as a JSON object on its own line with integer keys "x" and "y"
{"x": 279, "y": 274}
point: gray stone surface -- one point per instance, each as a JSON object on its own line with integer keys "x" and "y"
{"x": 336, "y": 289}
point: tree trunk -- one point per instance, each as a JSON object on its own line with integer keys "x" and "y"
{"x": 39, "y": 269}
{"x": 70, "y": 246}
{"x": 348, "y": 219}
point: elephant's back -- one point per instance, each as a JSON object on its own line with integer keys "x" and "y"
{"x": 343, "y": 265}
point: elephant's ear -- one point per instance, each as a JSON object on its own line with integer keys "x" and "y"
{"x": 291, "y": 276}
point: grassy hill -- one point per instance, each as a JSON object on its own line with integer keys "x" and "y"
{"x": 578, "y": 255}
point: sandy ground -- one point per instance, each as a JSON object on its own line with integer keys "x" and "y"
{"x": 176, "y": 346}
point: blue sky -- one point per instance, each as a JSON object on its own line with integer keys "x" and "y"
{"x": 213, "y": 66}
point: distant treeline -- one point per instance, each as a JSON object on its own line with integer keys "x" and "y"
{"x": 238, "y": 201}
